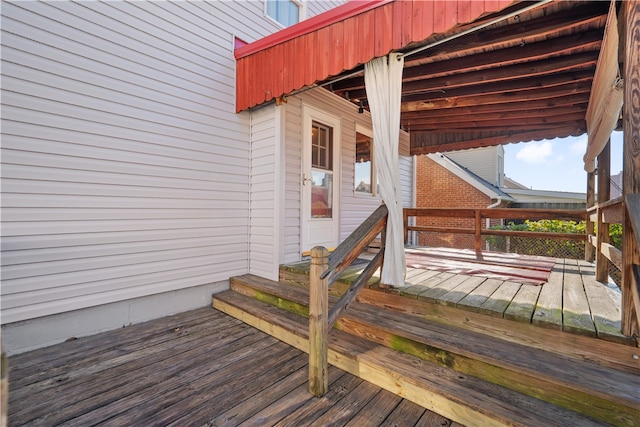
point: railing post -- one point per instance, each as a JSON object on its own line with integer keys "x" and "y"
{"x": 318, "y": 318}
{"x": 478, "y": 231}
{"x": 602, "y": 228}
{"x": 589, "y": 249}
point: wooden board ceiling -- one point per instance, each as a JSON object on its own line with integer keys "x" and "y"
{"x": 526, "y": 78}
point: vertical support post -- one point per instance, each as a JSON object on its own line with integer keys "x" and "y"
{"x": 631, "y": 159}
{"x": 406, "y": 225}
{"x": 604, "y": 194}
{"x": 478, "y": 240}
{"x": 589, "y": 250}
{"x": 318, "y": 318}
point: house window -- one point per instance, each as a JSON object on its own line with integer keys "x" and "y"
{"x": 286, "y": 12}
{"x": 321, "y": 171}
{"x": 364, "y": 182}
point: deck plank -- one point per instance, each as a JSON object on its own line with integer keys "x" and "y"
{"x": 576, "y": 316}
{"x": 376, "y": 411}
{"x": 479, "y": 295}
{"x": 435, "y": 289}
{"x": 500, "y": 299}
{"x": 289, "y": 403}
{"x": 456, "y": 294}
{"x": 246, "y": 408}
{"x": 523, "y": 304}
{"x": 102, "y": 386}
{"x": 604, "y": 311}
{"x": 405, "y": 414}
{"x": 346, "y": 407}
{"x": 548, "y": 312}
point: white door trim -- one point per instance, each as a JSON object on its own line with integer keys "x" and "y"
{"x": 309, "y": 115}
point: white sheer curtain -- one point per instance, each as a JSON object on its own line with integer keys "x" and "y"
{"x": 383, "y": 82}
{"x": 605, "y": 102}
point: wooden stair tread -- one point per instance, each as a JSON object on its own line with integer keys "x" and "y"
{"x": 463, "y": 398}
{"x": 580, "y": 383}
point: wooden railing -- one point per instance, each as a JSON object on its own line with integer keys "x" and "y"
{"x": 498, "y": 213}
{"x": 631, "y": 266}
{"x": 325, "y": 269}
{"x": 603, "y": 215}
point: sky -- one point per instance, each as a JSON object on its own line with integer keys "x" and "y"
{"x": 555, "y": 164}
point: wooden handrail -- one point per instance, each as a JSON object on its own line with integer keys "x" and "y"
{"x": 324, "y": 271}
{"x": 354, "y": 244}
{"x": 608, "y": 203}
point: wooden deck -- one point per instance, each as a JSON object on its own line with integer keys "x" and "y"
{"x": 196, "y": 368}
{"x": 571, "y": 300}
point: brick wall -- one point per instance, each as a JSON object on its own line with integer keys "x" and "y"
{"x": 436, "y": 187}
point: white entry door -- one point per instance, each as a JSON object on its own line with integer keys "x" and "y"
{"x": 320, "y": 225}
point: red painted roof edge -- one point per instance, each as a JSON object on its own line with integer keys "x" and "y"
{"x": 347, "y": 10}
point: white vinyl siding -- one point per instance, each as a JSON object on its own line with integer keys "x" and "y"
{"x": 315, "y": 7}
{"x": 266, "y": 194}
{"x": 125, "y": 170}
{"x": 481, "y": 161}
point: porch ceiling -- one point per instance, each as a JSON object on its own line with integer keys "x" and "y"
{"x": 523, "y": 78}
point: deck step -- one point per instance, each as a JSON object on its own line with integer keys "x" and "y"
{"x": 604, "y": 393}
{"x": 461, "y": 398}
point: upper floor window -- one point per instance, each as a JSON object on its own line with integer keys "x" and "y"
{"x": 286, "y": 12}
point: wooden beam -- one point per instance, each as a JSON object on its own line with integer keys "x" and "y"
{"x": 510, "y": 88}
{"x": 604, "y": 193}
{"x": 568, "y": 105}
{"x": 589, "y": 250}
{"x": 515, "y": 36}
{"x": 491, "y": 121}
{"x": 418, "y": 146}
{"x": 472, "y": 100}
{"x": 631, "y": 161}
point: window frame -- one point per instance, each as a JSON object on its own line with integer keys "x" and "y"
{"x": 374, "y": 174}
{"x": 302, "y": 10}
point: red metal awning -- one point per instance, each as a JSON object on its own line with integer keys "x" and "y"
{"x": 341, "y": 39}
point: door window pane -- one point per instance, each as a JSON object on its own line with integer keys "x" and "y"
{"x": 321, "y": 194}
{"x": 321, "y": 146}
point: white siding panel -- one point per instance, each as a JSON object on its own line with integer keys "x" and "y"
{"x": 481, "y": 161}
{"x": 265, "y": 183}
{"x": 125, "y": 170}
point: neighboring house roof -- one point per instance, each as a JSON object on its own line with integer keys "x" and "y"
{"x": 512, "y": 183}
{"x": 471, "y": 178}
{"x": 526, "y": 195}
{"x": 357, "y": 31}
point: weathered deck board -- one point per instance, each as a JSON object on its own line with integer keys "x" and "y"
{"x": 197, "y": 368}
{"x": 548, "y": 311}
{"x": 434, "y": 290}
{"x": 480, "y": 295}
{"x": 604, "y": 311}
{"x": 498, "y": 302}
{"x": 523, "y": 304}
{"x": 376, "y": 411}
{"x": 456, "y": 294}
{"x": 576, "y": 316}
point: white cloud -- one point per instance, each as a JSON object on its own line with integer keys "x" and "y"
{"x": 579, "y": 147}
{"x": 535, "y": 152}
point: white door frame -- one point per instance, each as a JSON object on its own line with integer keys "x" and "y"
{"x": 310, "y": 228}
